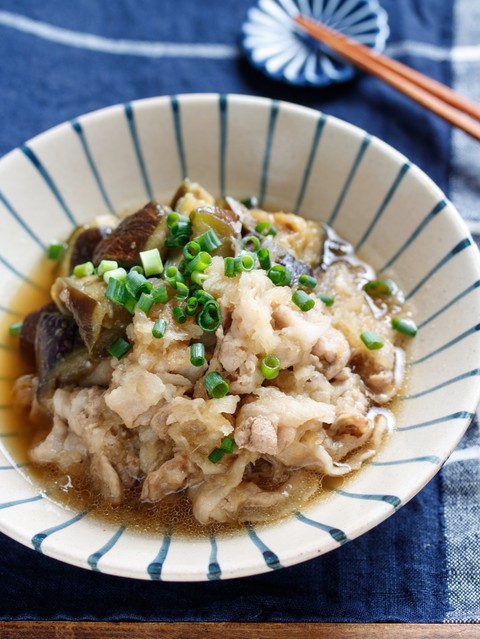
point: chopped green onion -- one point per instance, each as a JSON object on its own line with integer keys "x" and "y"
{"x": 145, "y": 303}
{"x": 197, "y": 354}
{"x": 137, "y": 269}
{"x": 228, "y": 444}
{"x": 160, "y": 295}
{"x": 270, "y": 367}
{"x": 151, "y": 262}
{"x": 250, "y": 202}
{"x": 81, "y": 270}
{"x": 115, "y": 274}
{"x": 307, "y": 280}
{"x": 199, "y": 263}
{"x": 182, "y": 291}
{"x": 303, "y": 300}
{"x": 372, "y": 340}
{"x": 264, "y": 258}
{"x": 174, "y": 218}
{"x": 115, "y": 291}
{"x": 279, "y": 275}
{"x": 407, "y": 327}
{"x": 173, "y": 275}
{"x": 137, "y": 284}
{"x": 159, "y": 328}
{"x": 379, "y": 287}
{"x": 216, "y": 386}
{"x": 229, "y": 266}
{"x": 210, "y": 317}
{"x": 55, "y": 250}
{"x": 119, "y": 348}
{"x": 244, "y": 262}
{"x": 177, "y": 241}
{"x": 251, "y": 243}
{"x": 265, "y": 228}
{"x": 208, "y": 241}
{"x": 106, "y": 265}
{"x": 199, "y": 278}
{"x": 179, "y": 315}
{"x": 191, "y": 250}
{"x": 216, "y": 455}
{"x": 203, "y": 297}
{"x": 191, "y": 306}
{"x": 15, "y": 329}
{"x": 328, "y": 300}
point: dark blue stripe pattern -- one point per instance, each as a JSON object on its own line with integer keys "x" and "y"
{"x": 308, "y": 168}
{"x": 155, "y": 567}
{"x": 19, "y": 502}
{"x": 437, "y": 420}
{"x": 49, "y": 182}
{"x": 456, "y": 299}
{"x": 268, "y": 148}
{"x": 95, "y": 557}
{"x": 19, "y": 219}
{"x": 393, "y": 500}
{"x": 77, "y": 127}
{"x": 129, "y": 112}
{"x": 178, "y": 135}
{"x": 473, "y": 373}
{"x": 452, "y": 342}
{"x": 214, "y": 570}
{"x": 269, "y": 556}
{"x": 38, "y": 539}
{"x": 223, "y": 106}
{"x": 336, "y": 534}
{"x": 432, "y": 459}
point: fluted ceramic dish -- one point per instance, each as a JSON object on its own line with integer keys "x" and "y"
{"x": 278, "y": 47}
{"x": 292, "y": 158}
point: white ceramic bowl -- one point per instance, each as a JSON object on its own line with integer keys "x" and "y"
{"x": 297, "y": 159}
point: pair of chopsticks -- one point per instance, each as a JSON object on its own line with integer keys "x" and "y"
{"x": 431, "y": 94}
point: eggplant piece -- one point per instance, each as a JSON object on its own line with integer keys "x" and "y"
{"x": 81, "y": 246}
{"x": 61, "y": 357}
{"x": 225, "y": 223}
{"x": 29, "y": 331}
{"x": 100, "y": 322}
{"x": 146, "y": 229}
{"x": 280, "y": 255}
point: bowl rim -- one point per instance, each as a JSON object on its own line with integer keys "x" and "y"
{"x": 316, "y": 547}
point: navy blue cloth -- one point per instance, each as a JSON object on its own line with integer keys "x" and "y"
{"x": 396, "y": 572}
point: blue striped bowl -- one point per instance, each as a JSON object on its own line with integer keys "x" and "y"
{"x": 291, "y": 157}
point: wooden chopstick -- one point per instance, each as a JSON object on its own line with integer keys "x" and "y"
{"x": 433, "y": 95}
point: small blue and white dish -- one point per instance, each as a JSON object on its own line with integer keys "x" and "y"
{"x": 275, "y": 44}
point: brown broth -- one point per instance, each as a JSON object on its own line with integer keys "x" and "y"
{"x": 77, "y": 493}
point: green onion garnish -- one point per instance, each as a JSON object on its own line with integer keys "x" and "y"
{"x": 55, "y": 250}
{"x": 191, "y": 306}
{"x": 177, "y": 241}
{"x": 173, "y": 275}
{"x": 270, "y": 367}
{"x": 199, "y": 278}
{"x": 244, "y": 262}
{"x": 265, "y": 228}
{"x": 174, "y": 219}
{"x": 228, "y": 444}
{"x": 137, "y": 269}
{"x": 307, "y": 281}
{"x": 197, "y": 354}
{"x": 106, "y": 265}
{"x": 115, "y": 291}
{"x": 15, "y": 329}
{"x": 328, "y": 300}
{"x": 279, "y": 275}
{"x": 179, "y": 315}
{"x": 208, "y": 241}
{"x": 407, "y": 327}
{"x": 264, "y": 258}
{"x": 159, "y": 328}
{"x": 160, "y": 295}
{"x": 229, "y": 266}
{"x": 145, "y": 303}
{"x": 216, "y": 386}
{"x": 303, "y": 300}
{"x": 379, "y": 287}
{"x": 137, "y": 283}
{"x": 199, "y": 263}
{"x": 82, "y": 270}
{"x": 250, "y": 202}
{"x": 182, "y": 291}
{"x": 251, "y": 243}
{"x": 151, "y": 262}
{"x": 191, "y": 250}
{"x": 115, "y": 274}
{"x": 372, "y": 340}
{"x": 203, "y": 297}
{"x": 210, "y": 317}
{"x": 216, "y": 455}
{"x": 119, "y": 348}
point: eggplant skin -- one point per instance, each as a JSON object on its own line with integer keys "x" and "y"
{"x": 81, "y": 246}
{"x": 29, "y": 332}
{"x": 143, "y": 230}
{"x": 60, "y": 355}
